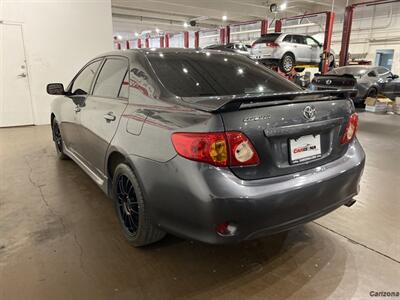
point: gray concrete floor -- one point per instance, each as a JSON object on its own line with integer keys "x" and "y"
{"x": 59, "y": 237}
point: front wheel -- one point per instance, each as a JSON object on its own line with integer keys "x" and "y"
{"x": 287, "y": 63}
{"x": 58, "y": 141}
{"x": 131, "y": 209}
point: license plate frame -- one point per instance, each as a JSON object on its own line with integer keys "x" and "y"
{"x": 305, "y": 148}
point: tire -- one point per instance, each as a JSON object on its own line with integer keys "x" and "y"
{"x": 58, "y": 141}
{"x": 286, "y": 63}
{"x": 373, "y": 92}
{"x": 130, "y": 207}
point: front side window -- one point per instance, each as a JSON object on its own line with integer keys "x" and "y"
{"x": 215, "y": 74}
{"x": 83, "y": 82}
{"x": 311, "y": 42}
{"x": 382, "y": 70}
{"x": 111, "y": 79}
{"x": 372, "y": 74}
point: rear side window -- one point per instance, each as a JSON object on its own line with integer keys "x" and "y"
{"x": 268, "y": 38}
{"x": 288, "y": 38}
{"x": 111, "y": 79}
{"x": 215, "y": 74}
{"x": 83, "y": 82}
{"x": 298, "y": 39}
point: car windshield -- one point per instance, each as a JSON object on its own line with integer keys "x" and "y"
{"x": 268, "y": 38}
{"x": 202, "y": 73}
{"x": 355, "y": 71}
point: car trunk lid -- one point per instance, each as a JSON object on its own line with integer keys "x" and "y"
{"x": 277, "y": 128}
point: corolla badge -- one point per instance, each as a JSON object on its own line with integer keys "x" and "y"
{"x": 328, "y": 82}
{"x": 309, "y": 112}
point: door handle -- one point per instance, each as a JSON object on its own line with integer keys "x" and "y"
{"x": 22, "y": 75}
{"x": 77, "y": 109}
{"x": 109, "y": 117}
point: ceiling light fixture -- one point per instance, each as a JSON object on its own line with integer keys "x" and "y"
{"x": 283, "y": 6}
{"x": 224, "y": 18}
{"x": 185, "y": 24}
{"x": 157, "y": 30}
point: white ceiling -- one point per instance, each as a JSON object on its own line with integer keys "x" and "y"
{"x": 130, "y": 16}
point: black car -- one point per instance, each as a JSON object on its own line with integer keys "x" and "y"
{"x": 368, "y": 80}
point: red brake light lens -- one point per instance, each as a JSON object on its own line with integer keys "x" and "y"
{"x": 350, "y": 130}
{"x": 272, "y": 44}
{"x": 218, "y": 149}
{"x": 242, "y": 152}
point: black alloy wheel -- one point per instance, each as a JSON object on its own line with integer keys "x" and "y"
{"x": 130, "y": 206}
{"x": 127, "y": 204}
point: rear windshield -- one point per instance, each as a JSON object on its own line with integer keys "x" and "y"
{"x": 268, "y": 38}
{"x": 355, "y": 71}
{"x": 212, "y": 73}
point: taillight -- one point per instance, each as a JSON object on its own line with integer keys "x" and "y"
{"x": 350, "y": 130}
{"x": 272, "y": 44}
{"x": 242, "y": 152}
{"x": 218, "y": 149}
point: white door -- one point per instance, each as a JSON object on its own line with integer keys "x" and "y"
{"x": 15, "y": 96}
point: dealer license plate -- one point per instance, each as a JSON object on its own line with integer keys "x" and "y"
{"x": 305, "y": 148}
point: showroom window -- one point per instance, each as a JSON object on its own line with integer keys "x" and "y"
{"x": 111, "y": 79}
{"x": 82, "y": 83}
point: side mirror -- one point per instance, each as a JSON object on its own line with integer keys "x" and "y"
{"x": 395, "y": 76}
{"x": 55, "y": 89}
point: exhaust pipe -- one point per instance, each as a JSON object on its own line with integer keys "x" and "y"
{"x": 350, "y": 203}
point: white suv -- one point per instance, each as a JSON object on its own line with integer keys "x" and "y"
{"x": 287, "y": 50}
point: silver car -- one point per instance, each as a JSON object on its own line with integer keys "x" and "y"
{"x": 371, "y": 81}
{"x": 286, "y": 50}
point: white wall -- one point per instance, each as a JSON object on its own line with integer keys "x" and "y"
{"x": 60, "y": 37}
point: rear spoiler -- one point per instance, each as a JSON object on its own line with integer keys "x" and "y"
{"x": 236, "y": 102}
{"x": 334, "y": 75}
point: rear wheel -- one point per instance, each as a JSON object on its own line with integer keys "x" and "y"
{"x": 131, "y": 209}
{"x": 58, "y": 141}
{"x": 286, "y": 64}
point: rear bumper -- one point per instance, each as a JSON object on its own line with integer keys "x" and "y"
{"x": 189, "y": 199}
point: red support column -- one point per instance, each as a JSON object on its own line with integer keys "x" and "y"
{"x": 161, "y": 41}
{"x": 278, "y": 26}
{"x": 167, "y": 36}
{"x": 127, "y": 45}
{"x": 197, "y": 39}
{"x": 147, "y": 41}
{"x": 118, "y": 45}
{"x": 222, "y": 36}
{"x": 330, "y": 18}
{"x": 139, "y": 43}
{"x": 186, "y": 39}
{"x": 348, "y": 21}
{"x": 264, "y": 27}
{"x": 228, "y": 34}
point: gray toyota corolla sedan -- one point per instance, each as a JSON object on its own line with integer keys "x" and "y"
{"x": 206, "y": 145}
